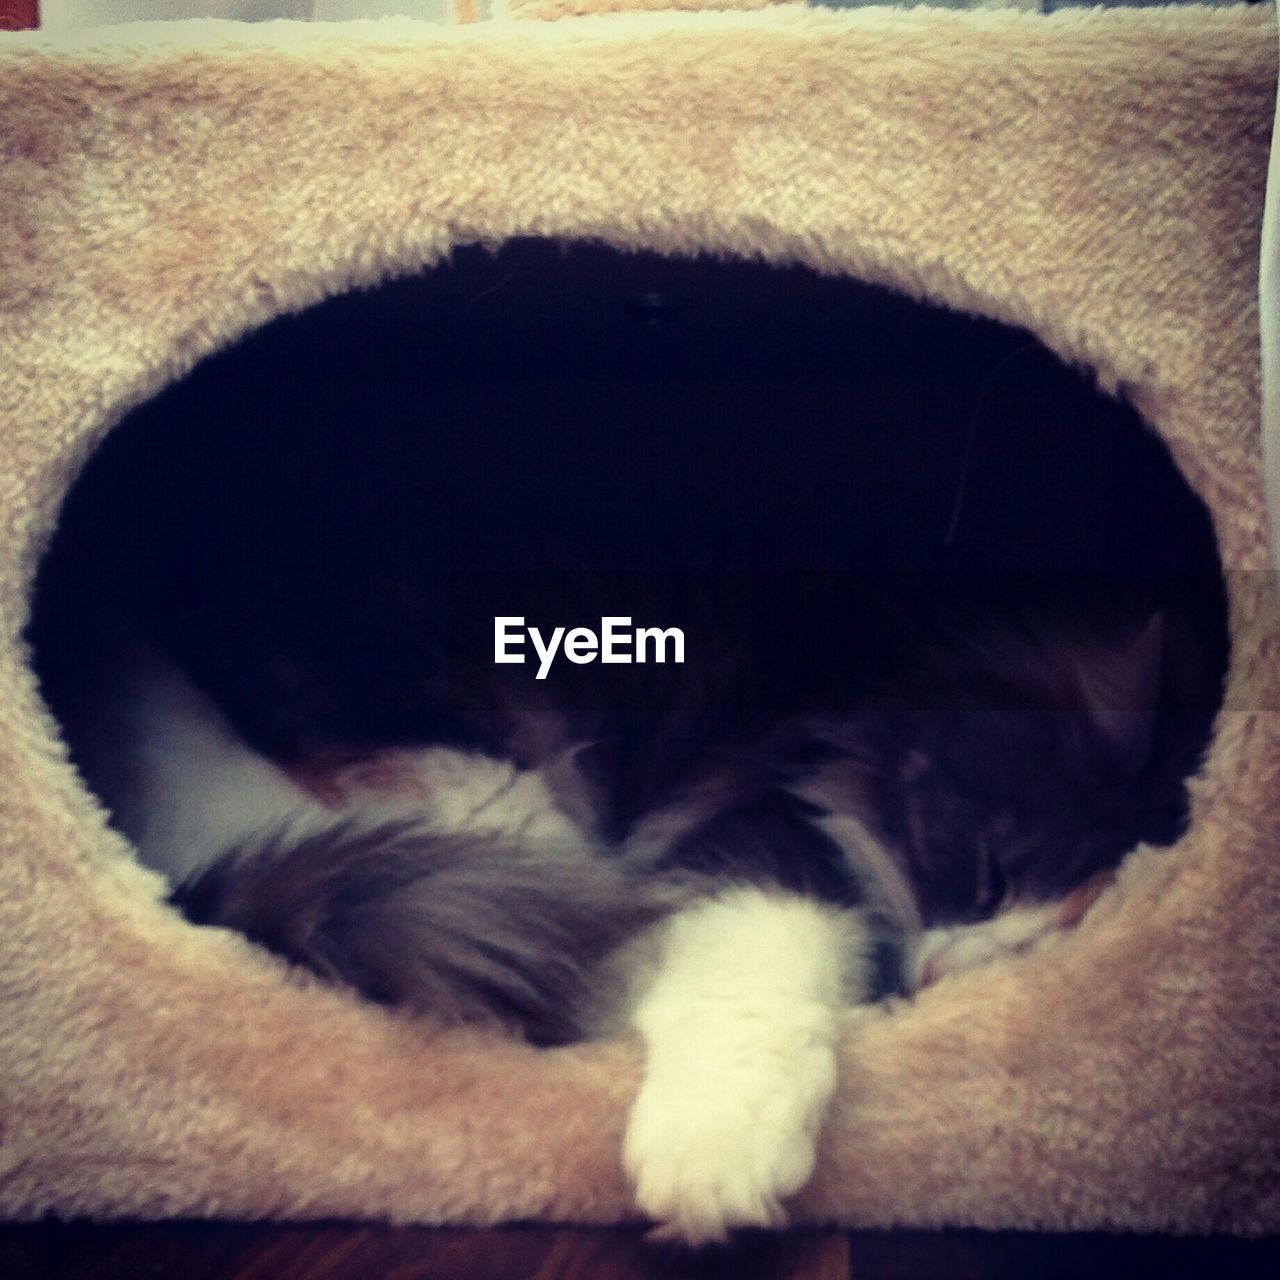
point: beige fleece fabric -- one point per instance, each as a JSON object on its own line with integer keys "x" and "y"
{"x": 1096, "y": 176}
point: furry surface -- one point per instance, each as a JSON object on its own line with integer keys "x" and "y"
{"x": 1096, "y": 176}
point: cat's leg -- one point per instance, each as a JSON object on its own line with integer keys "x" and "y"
{"x": 739, "y": 1008}
{"x": 943, "y": 951}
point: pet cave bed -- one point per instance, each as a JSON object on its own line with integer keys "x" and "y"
{"x": 1096, "y": 177}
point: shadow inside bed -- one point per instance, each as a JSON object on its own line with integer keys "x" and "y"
{"x": 298, "y": 521}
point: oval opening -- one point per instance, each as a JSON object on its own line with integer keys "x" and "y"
{"x": 861, "y": 511}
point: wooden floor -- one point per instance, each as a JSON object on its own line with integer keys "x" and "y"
{"x": 205, "y": 1251}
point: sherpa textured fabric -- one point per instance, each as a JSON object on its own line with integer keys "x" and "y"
{"x": 1096, "y": 176}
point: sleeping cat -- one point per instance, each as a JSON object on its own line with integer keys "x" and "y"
{"x": 725, "y": 886}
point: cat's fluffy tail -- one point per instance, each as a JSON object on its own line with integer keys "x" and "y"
{"x": 471, "y": 925}
{"x": 466, "y": 926}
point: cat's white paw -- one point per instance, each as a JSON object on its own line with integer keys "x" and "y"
{"x": 711, "y": 1153}
{"x": 739, "y": 1018}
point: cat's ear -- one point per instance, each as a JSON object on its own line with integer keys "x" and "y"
{"x": 1120, "y": 691}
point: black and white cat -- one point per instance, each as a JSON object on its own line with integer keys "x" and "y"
{"x": 727, "y": 899}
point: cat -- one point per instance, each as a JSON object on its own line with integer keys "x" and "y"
{"x": 724, "y": 890}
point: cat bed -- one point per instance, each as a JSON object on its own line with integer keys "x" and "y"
{"x": 1094, "y": 176}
